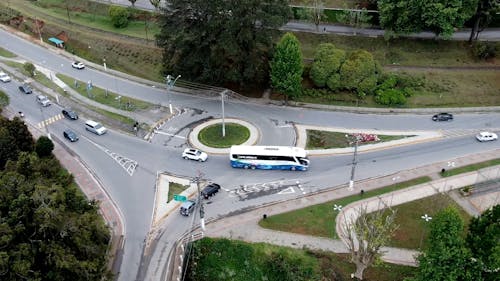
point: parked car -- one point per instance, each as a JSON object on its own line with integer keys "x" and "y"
{"x": 486, "y": 136}
{"x": 43, "y": 100}
{"x": 4, "y": 77}
{"x": 210, "y": 190}
{"x": 78, "y": 65}
{"x": 70, "y": 135}
{"x": 187, "y": 207}
{"x": 95, "y": 127}
{"x": 68, "y": 113}
{"x": 194, "y": 154}
{"x": 26, "y": 89}
{"x": 442, "y": 117}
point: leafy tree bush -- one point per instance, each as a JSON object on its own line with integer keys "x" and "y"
{"x": 446, "y": 258}
{"x": 48, "y": 229}
{"x": 484, "y": 242}
{"x": 119, "y": 16}
{"x": 44, "y": 146}
{"x": 438, "y": 16}
{"x": 359, "y": 73}
{"x": 327, "y": 62}
{"x": 30, "y": 68}
{"x": 199, "y": 42}
{"x": 4, "y": 100}
{"x": 286, "y": 67}
{"x": 484, "y": 50}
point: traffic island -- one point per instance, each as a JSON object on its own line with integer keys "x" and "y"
{"x": 208, "y": 135}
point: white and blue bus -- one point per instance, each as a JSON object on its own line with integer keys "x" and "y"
{"x": 269, "y": 157}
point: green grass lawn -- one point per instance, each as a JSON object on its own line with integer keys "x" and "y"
{"x": 223, "y": 259}
{"x": 413, "y": 230}
{"x": 212, "y": 135}
{"x": 6, "y": 54}
{"x": 175, "y": 188}
{"x": 326, "y": 139}
{"x": 319, "y": 220}
{"x": 470, "y": 168}
{"x": 105, "y": 96}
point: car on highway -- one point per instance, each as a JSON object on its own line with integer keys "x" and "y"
{"x": 95, "y": 127}
{"x": 43, "y": 100}
{"x": 78, "y": 65}
{"x": 194, "y": 154}
{"x": 486, "y": 136}
{"x": 442, "y": 117}
{"x": 4, "y": 77}
{"x": 210, "y": 190}
{"x": 70, "y": 135}
{"x": 26, "y": 89}
{"x": 187, "y": 207}
{"x": 70, "y": 114}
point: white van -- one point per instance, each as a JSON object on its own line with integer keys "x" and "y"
{"x": 95, "y": 127}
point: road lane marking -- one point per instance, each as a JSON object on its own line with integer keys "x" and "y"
{"x": 171, "y": 135}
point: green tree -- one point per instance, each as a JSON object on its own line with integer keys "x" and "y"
{"x": 119, "y": 16}
{"x": 219, "y": 41}
{"x": 354, "y": 17}
{"x": 483, "y": 239}
{"x": 44, "y": 146}
{"x": 326, "y": 66}
{"x": 365, "y": 234}
{"x": 313, "y": 11}
{"x": 30, "y": 68}
{"x": 446, "y": 258}
{"x": 439, "y": 16}
{"x": 359, "y": 73}
{"x": 482, "y": 17}
{"x": 286, "y": 67}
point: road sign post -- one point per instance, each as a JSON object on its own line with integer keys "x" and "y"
{"x": 180, "y": 198}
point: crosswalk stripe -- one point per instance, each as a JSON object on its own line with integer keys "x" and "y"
{"x": 50, "y": 120}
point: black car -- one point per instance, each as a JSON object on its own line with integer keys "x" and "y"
{"x": 442, "y": 117}
{"x": 68, "y": 113}
{"x": 210, "y": 190}
{"x": 70, "y": 135}
{"x": 25, "y": 89}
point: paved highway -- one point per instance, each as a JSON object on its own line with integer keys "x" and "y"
{"x": 134, "y": 193}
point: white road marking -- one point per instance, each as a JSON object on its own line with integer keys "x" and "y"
{"x": 171, "y": 135}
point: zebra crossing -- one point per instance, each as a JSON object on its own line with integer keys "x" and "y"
{"x": 49, "y": 121}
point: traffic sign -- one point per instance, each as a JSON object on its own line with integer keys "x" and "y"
{"x": 180, "y": 198}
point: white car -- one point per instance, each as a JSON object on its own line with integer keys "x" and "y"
{"x": 486, "y": 136}
{"x": 4, "y": 77}
{"x": 78, "y": 65}
{"x": 194, "y": 154}
{"x": 43, "y": 100}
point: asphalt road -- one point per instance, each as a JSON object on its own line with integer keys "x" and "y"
{"x": 134, "y": 193}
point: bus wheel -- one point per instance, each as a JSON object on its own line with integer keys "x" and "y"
{"x": 293, "y": 168}
{"x": 246, "y": 166}
{"x": 253, "y": 167}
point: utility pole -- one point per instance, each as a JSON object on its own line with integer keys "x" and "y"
{"x": 354, "y": 159}
{"x": 197, "y": 180}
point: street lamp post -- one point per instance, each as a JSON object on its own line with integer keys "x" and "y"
{"x": 222, "y": 96}
{"x": 354, "y": 160}
{"x": 170, "y": 84}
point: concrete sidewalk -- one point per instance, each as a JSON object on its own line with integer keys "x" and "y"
{"x": 245, "y": 226}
